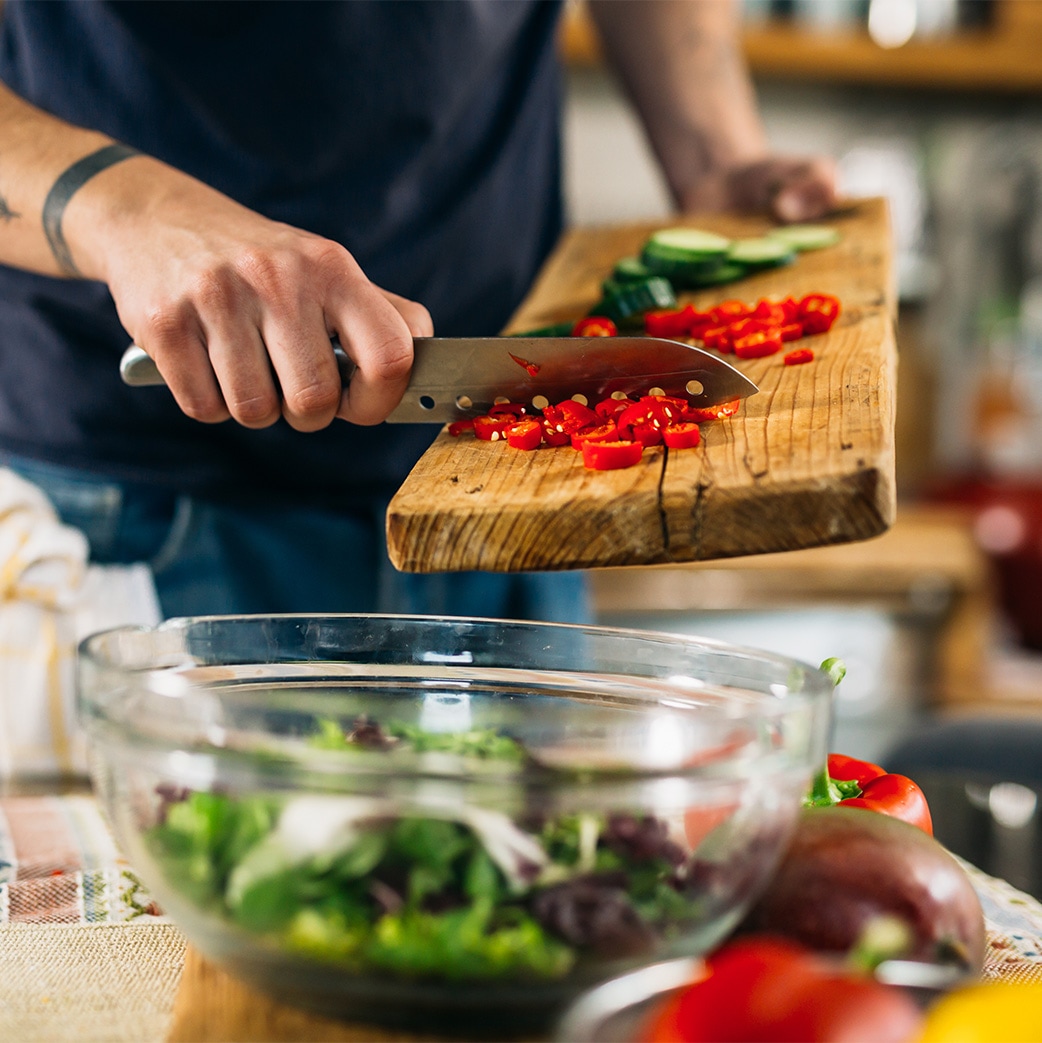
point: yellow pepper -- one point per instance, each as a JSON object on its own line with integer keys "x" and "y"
{"x": 988, "y": 1012}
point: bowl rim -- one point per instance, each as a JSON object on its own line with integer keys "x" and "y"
{"x": 808, "y": 687}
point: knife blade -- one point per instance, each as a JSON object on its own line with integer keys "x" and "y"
{"x": 457, "y": 377}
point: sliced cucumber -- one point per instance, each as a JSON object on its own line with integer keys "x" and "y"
{"x": 630, "y": 269}
{"x": 695, "y": 243}
{"x": 684, "y": 256}
{"x": 626, "y": 302}
{"x": 806, "y": 237}
{"x": 765, "y": 252}
{"x": 723, "y": 273}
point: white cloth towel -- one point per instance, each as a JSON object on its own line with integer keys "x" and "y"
{"x": 50, "y": 598}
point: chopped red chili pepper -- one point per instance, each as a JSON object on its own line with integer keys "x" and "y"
{"x": 670, "y": 322}
{"x": 703, "y": 414}
{"x": 492, "y": 428}
{"x": 553, "y": 437}
{"x": 595, "y": 326}
{"x": 685, "y": 435}
{"x": 647, "y": 433}
{"x": 728, "y": 311}
{"x": 606, "y": 432}
{"x": 525, "y": 434}
{"x": 569, "y": 416}
{"x": 716, "y": 338}
{"x": 791, "y": 331}
{"x": 514, "y": 409}
{"x": 799, "y": 357}
{"x": 610, "y": 408}
{"x": 530, "y": 367}
{"x": 817, "y": 312}
{"x": 611, "y": 456}
{"x": 757, "y": 344}
{"x": 457, "y": 427}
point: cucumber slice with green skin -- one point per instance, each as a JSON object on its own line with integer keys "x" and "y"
{"x": 681, "y": 270}
{"x": 724, "y": 273}
{"x": 806, "y": 237}
{"x": 628, "y": 301}
{"x": 630, "y": 269}
{"x": 765, "y": 252}
{"x": 692, "y": 243}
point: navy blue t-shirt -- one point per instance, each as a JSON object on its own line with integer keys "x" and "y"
{"x": 424, "y": 136}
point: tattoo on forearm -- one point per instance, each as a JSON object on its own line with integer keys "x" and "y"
{"x": 65, "y": 188}
{"x": 6, "y": 213}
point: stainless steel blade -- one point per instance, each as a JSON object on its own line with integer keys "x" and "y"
{"x": 455, "y": 377}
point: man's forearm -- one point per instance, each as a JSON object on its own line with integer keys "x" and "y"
{"x": 44, "y": 162}
{"x": 680, "y": 65}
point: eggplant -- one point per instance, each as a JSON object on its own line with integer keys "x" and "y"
{"x": 847, "y": 869}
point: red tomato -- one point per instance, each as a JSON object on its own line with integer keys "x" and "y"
{"x": 595, "y": 326}
{"x": 762, "y": 989}
{"x": 611, "y": 456}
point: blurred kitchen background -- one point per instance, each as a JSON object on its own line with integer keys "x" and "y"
{"x": 936, "y": 105}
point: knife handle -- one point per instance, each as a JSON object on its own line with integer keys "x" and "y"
{"x": 138, "y": 370}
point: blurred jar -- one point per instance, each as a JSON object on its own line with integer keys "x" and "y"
{"x": 1003, "y": 484}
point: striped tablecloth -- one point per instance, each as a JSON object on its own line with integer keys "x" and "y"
{"x": 87, "y": 955}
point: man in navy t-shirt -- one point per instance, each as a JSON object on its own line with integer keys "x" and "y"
{"x": 229, "y": 185}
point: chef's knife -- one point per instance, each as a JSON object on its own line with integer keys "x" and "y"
{"x": 455, "y": 377}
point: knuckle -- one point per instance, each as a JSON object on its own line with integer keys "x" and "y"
{"x": 314, "y": 400}
{"x": 213, "y": 288}
{"x": 393, "y": 360}
{"x": 255, "y": 411}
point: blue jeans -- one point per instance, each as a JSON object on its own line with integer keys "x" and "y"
{"x": 211, "y": 558}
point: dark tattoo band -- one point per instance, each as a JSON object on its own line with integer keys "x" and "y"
{"x": 63, "y": 190}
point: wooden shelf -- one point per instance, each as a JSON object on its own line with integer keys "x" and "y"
{"x": 1001, "y": 59}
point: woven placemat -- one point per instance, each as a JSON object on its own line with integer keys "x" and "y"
{"x": 89, "y": 983}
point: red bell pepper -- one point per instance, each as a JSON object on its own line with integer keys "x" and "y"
{"x": 849, "y": 782}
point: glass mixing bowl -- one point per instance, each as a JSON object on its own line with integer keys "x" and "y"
{"x": 444, "y": 823}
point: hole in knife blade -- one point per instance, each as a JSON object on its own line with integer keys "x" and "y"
{"x": 694, "y": 387}
{"x": 426, "y": 402}
{"x": 463, "y": 402}
{"x": 581, "y": 399}
{"x": 656, "y": 391}
{"x": 540, "y": 402}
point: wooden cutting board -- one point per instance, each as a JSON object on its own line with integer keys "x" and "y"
{"x": 807, "y": 461}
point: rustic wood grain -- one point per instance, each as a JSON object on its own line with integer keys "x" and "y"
{"x": 807, "y": 461}
{"x": 214, "y": 1007}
